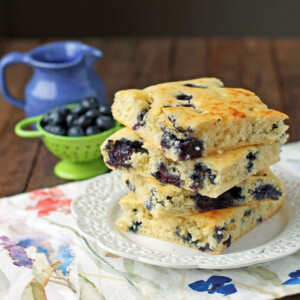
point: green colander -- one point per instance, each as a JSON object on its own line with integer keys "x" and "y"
{"x": 80, "y": 156}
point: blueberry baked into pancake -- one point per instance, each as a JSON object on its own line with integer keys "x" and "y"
{"x": 210, "y": 232}
{"x": 210, "y": 176}
{"x": 167, "y": 200}
{"x": 194, "y": 118}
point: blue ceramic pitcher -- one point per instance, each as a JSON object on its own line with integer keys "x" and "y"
{"x": 63, "y": 74}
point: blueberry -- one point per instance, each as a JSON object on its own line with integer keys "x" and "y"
{"x": 205, "y": 247}
{"x": 140, "y": 119}
{"x": 149, "y": 205}
{"x": 105, "y": 110}
{"x": 251, "y": 158}
{"x": 55, "y": 118}
{"x": 130, "y": 186}
{"x": 92, "y": 113}
{"x": 200, "y": 174}
{"x": 182, "y": 96}
{"x": 187, "y": 238}
{"x": 120, "y": 152}
{"x": 91, "y": 130}
{"x": 163, "y": 175}
{"x": 219, "y": 234}
{"x": 105, "y": 122}
{"x": 135, "y": 226}
{"x": 188, "y": 148}
{"x": 90, "y": 102}
{"x": 227, "y": 199}
{"x": 259, "y": 220}
{"x": 46, "y": 119}
{"x": 266, "y": 191}
{"x": 247, "y": 213}
{"x": 152, "y": 201}
{"x": 55, "y": 129}
{"x": 79, "y": 110}
{"x": 204, "y": 203}
{"x": 63, "y": 111}
{"x": 83, "y": 121}
{"x": 195, "y": 86}
{"x": 180, "y": 129}
{"x": 75, "y": 131}
{"x": 70, "y": 119}
{"x": 227, "y": 242}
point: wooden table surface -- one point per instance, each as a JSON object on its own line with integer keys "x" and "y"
{"x": 269, "y": 67}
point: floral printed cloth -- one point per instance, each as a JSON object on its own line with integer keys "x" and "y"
{"x": 43, "y": 256}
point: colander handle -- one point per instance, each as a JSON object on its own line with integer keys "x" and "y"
{"x": 27, "y": 133}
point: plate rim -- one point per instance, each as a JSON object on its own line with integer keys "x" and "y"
{"x": 113, "y": 201}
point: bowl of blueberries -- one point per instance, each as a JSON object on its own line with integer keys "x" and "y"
{"x": 74, "y": 133}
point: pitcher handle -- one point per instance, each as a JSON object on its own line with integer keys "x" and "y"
{"x": 28, "y": 133}
{"x": 7, "y": 60}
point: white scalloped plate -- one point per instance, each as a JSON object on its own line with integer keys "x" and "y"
{"x": 97, "y": 209}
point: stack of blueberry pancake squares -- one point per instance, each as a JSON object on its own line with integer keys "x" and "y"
{"x": 195, "y": 156}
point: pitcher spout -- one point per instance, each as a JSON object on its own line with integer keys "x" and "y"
{"x": 89, "y": 50}
{"x": 90, "y": 54}
{"x": 63, "y": 54}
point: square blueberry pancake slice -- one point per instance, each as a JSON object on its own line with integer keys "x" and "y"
{"x": 168, "y": 200}
{"x": 210, "y": 176}
{"x": 194, "y": 118}
{"x": 210, "y": 232}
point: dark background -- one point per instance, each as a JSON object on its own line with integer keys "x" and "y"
{"x": 73, "y": 18}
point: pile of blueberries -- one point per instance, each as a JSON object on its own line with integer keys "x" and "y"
{"x": 88, "y": 118}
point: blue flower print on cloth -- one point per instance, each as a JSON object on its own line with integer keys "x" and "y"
{"x": 214, "y": 284}
{"x": 65, "y": 255}
{"x": 295, "y": 278}
{"x": 17, "y": 253}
